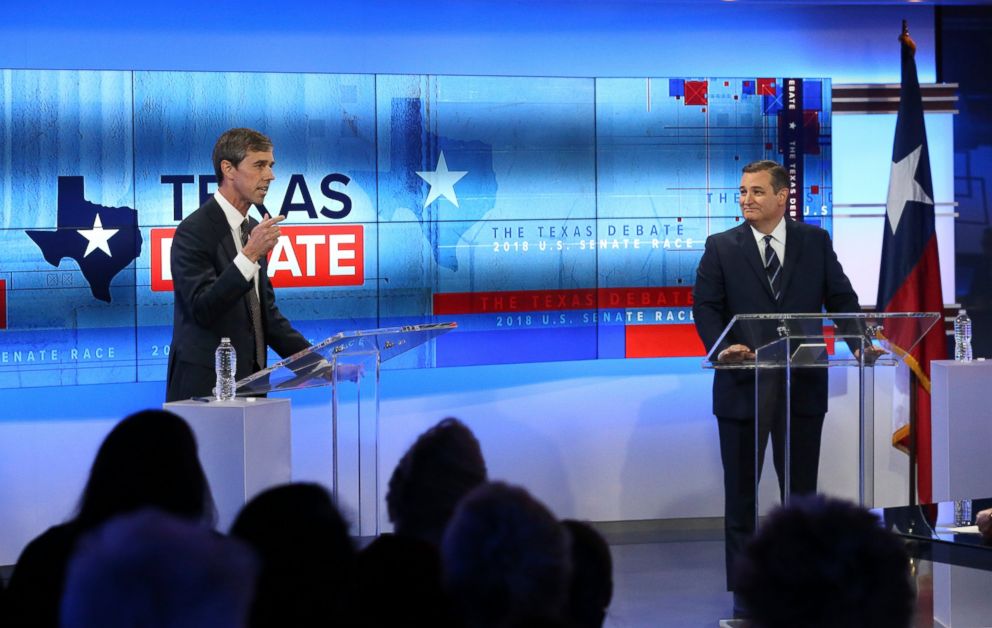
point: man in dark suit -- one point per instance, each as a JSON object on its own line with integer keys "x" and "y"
{"x": 219, "y": 273}
{"x": 769, "y": 264}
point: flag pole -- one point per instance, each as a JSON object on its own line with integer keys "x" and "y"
{"x": 914, "y": 385}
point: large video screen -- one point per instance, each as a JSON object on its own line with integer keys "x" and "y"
{"x": 551, "y": 218}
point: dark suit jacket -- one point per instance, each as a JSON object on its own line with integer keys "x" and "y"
{"x": 731, "y": 280}
{"x": 211, "y": 301}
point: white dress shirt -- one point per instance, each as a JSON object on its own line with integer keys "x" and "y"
{"x": 247, "y": 267}
{"x": 777, "y": 242}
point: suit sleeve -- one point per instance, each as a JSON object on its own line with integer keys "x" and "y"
{"x": 279, "y": 332}
{"x": 839, "y": 295}
{"x": 709, "y": 296}
{"x": 207, "y": 295}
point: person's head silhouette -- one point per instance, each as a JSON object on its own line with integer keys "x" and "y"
{"x": 148, "y": 459}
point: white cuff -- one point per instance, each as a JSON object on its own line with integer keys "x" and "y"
{"x": 247, "y": 267}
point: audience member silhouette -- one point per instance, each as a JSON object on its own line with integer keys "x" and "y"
{"x": 307, "y": 557}
{"x": 155, "y": 570}
{"x": 591, "y": 587}
{"x": 148, "y": 460}
{"x": 399, "y": 584}
{"x": 505, "y": 560}
{"x": 441, "y": 467}
{"x": 404, "y": 569}
{"x": 822, "y": 562}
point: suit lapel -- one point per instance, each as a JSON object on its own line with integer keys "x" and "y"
{"x": 793, "y": 247}
{"x": 222, "y": 230}
{"x": 749, "y": 248}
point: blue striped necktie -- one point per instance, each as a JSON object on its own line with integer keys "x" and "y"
{"x": 773, "y": 268}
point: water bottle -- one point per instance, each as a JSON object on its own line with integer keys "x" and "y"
{"x": 225, "y": 361}
{"x": 962, "y": 337}
{"x": 962, "y": 513}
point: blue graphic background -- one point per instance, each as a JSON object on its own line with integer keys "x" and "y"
{"x": 555, "y": 171}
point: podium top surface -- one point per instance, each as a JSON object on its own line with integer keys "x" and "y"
{"x": 238, "y": 402}
{"x": 932, "y": 534}
{"x": 820, "y": 340}
{"x": 347, "y": 355}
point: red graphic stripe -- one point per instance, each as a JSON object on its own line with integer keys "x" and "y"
{"x": 543, "y": 300}
{"x": 3, "y": 304}
{"x": 830, "y": 339}
{"x": 663, "y": 341}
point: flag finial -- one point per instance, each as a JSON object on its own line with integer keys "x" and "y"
{"x": 905, "y": 39}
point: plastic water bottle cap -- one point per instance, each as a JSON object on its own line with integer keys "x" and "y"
{"x": 962, "y": 312}
{"x": 225, "y": 340}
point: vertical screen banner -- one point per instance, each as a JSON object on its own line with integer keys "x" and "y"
{"x": 792, "y": 145}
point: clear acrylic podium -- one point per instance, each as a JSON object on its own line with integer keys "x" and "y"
{"x": 785, "y": 346}
{"x": 349, "y": 363}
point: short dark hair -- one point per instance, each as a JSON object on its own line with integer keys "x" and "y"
{"x": 307, "y": 556}
{"x": 234, "y": 144}
{"x": 440, "y": 468}
{"x": 823, "y": 562}
{"x": 780, "y": 177}
{"x": 505, "y": 559}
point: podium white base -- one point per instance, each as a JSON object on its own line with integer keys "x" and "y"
{"x": 961, "y": 596}
{"x": 962, "y": 429}
{"x": 244, "y": 448}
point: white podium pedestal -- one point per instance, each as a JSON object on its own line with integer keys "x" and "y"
{"x": 961, "y": 596}
{"x": 244, "y": 448}
{"x": 961, "y": 425}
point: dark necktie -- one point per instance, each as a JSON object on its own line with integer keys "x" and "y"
{"x": 254, "y": 309}
{"x": 773, "y": 268}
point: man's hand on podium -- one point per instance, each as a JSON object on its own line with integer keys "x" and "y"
{"x": 345, "y": 372}
{"x": 735, "y": 353}
{"x": 984, "y": 522}
{"x": 872, "y": 353}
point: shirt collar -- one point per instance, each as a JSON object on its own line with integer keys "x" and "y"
{"x": 777, "y": 234}
{"x": 234, "y": 217}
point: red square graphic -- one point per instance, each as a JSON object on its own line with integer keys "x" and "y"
{"x": 766, "y": 87}
{"x": 695, "y": 92}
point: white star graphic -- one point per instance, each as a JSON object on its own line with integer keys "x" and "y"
{"x": 442, "y": 181}
{"x": 903, "y": 187}
{"x": 792, "y": 125}
{"x": 97, "y": 237}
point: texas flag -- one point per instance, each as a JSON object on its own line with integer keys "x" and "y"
{"x": 910, "y": 270}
